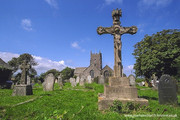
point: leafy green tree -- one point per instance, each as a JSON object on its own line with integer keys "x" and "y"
{"x": 158, "y": 54}
{"x": 53, "y": 71}
{"x": 67, "y": 73}
{"x": 16, "y": 62}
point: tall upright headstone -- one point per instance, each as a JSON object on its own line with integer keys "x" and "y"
{"x": 48, "y": 84}
{"x": 167, "y": 90}
{"x": 60, "y": 81}
{"x": 23, "y": 88}
{"x": 28, "y": 80}
{"x": 119, "y": 87}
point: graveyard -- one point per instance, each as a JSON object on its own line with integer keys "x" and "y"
{"x": 127, "y": 79}
{"x": 76, "y": 103}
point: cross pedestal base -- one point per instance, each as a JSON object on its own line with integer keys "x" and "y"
{"x": 119, "y": 89}
{"x": 22, "y": 90}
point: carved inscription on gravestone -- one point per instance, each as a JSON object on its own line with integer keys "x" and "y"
{"x": 167, "y": 90}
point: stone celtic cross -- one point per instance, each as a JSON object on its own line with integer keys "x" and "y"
{"x": 24, "y": 67}
{"x": 117, "y": 30}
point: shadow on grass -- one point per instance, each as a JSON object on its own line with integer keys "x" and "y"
{"x": 149, "y": 98}
{"x": 46, "y": 94}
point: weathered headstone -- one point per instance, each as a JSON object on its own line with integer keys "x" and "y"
{"x": 60, "y": 82}
{"x": 28, "y": 80}
{"x": 89, "y": 80}
{"x": 82, "y": 81}
{"x": 77, "y": 79}
{"x": 73, "y": 82}
{"x": 23, "y": 88}
{"x": 132, "y": 80}
{"x": 167, "y": 90}
{"x": 48, "y": 84}
{"x": 119, "y": 87}
{"x": 155, "y": 82}
{"x": 101, "y": 79}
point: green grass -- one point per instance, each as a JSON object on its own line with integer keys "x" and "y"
{"x": 78, "y": 103}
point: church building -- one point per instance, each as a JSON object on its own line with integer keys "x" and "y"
{"x": 95, "y": 68}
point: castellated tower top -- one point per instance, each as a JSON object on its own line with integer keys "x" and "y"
{"x": 96, "y": 60}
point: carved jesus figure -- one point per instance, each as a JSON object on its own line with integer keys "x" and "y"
{"x": 116, "y": 30}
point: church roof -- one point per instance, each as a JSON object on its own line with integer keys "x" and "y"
{"x": 79, "y": 70}
{"x": 4, "y": 64}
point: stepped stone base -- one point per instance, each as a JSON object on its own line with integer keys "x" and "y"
{"x": 104, "y": 103}
{"x": 119, "y": 89}
{"x": 22, "y": 90}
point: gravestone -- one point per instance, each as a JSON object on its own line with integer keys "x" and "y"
{"x": 155, "y": 81}
{"x": 48, "y": 84}
{"x": 132, "y": 80}
{"x": 77, "y": 79}
{"x": 89, "y": 80}
{"x": 28, "y": 80}
{"x": 119, "y": 87}
{"x": 167, "y": 90}
{"x": 60, "y": 82}
{"x": 73, "y": 82}
{"x": 82, "y": 81}
{"x": 101, "y": 79}
{"x": 23, "y": 88}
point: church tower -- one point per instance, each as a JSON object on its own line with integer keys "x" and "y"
{"x": 96, "y": 60}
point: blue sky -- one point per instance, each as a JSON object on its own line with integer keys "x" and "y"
{"x": 60, "y": 33}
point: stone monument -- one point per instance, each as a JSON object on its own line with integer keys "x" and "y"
{"x": 60, "y": 81}
{"x": 119, "y": 87}
{"x": 48, "y": 84}
{"x": 73, "y": 82}
{"x": 167, "y": 90}
{"x": 132, "y": 80}
{"x": 23, "y": 88}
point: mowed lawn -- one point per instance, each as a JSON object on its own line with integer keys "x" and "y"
{"x": 78, "y": 103}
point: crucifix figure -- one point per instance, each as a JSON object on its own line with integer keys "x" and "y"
{"x": 117, "y": 30}
{"x": 24, "y": 67}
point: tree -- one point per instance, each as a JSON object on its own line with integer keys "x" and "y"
{"x": 16, "y": 62}
{"x": 67, "y": 73}
{"x": 158, "y": 54}
{"x": 53, "y": 71}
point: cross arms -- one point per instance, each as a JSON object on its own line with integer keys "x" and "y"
{"x": 105, "y": 30}
{"x": 131, "y": 30}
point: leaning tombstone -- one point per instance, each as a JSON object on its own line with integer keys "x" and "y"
{"x": 132, "y": 79}
{"x": 167, "y": 90}
{"x": 23, "y": 88}
{"x": 48, "y": 84}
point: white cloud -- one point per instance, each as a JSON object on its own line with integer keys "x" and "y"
{"x": 76, "y": 46}
{"x": 108, "y": 2}
{"x": 154, "y": 3}
{"x": 5, "y": 56}
{"x": 26, "y": 24}
{"x": 128, "y": 70}
{"x": 44, "y": 64}
{"x": 52, "y": 3}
